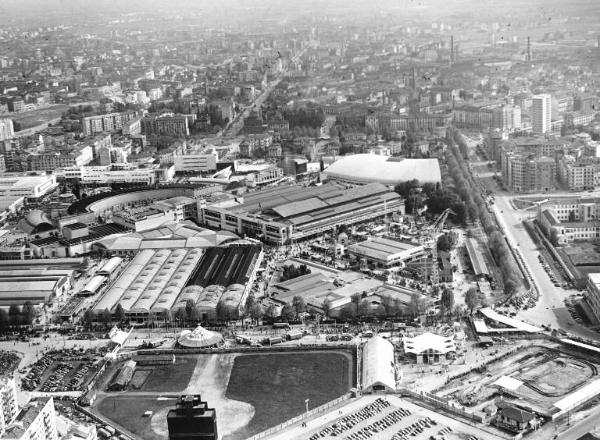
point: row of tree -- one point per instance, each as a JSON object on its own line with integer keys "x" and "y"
{"x": 304, "y": 117}
{"x": 290, "y": 271}
{"x": 466, "y": 188}
{"x": 437, "y": 199}
{"x": 17, "y": 316}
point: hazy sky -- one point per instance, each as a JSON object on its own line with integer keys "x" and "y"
{"x": 71, "y": 9}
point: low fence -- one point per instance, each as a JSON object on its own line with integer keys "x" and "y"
{"x": 104, "y": 421}
{"x": 304, "y": 416}
{"x": 223, "y": 350}
{"x": 442, "y": 403}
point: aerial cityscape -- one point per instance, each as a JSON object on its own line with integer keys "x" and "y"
{"x": 299, "y": 220}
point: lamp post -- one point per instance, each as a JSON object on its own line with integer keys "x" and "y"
{"x": 306, "y": 402}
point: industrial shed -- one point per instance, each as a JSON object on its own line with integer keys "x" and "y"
{"x": 110, "y": 267}
{"x": 152, "y": 282}
{"x": 93, "y": 286}
{"x": 378, "y": 366}
{"x": 123, "y": 377}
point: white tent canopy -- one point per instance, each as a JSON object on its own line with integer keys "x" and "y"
{"x": 429, "y": 341}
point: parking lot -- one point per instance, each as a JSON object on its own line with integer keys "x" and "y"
{"x": 68, "y": 370}
{"x": 379, "y": 418}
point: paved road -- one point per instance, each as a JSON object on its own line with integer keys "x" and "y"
{"x": 550, "y": 308}
{"x": 589, "y": 424}
{"x": 237, "y": 124}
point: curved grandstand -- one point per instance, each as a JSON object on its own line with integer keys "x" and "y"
{"x": 199, "y": 338}
{"x": 102, "y": 203}
{"x": 371, "y": 168}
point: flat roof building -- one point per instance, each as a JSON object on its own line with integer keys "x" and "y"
{"x": 30, "y": 187}
{"x": 37, "y": 420}
{"x": 386, "y": 252}
{"x": 278, "y": 215}
{"x": 192, "y": 419}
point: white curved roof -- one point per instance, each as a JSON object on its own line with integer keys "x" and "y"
{"x": 378, "y": 367}
{"x": 167, "y": 236}
{"x": 199, "y": 338}
{"x": 94, "y": 284}
{"x": 153, "y": 280}
{"x": 110, "y": 266}
{"x": 116, "y": 292}
{"x": 191, "y": 292}
{"x": 233, "y": 296}
{"x": 367, "y": 168}
{"x": 429, "y": 342}
{"x": 208, "y": 300}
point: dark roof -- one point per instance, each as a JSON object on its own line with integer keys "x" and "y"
{"x": 45, "y": 241}
{"x": 77, "y": 225}
{"x": 226, "y": 266}
{"x": 96, "y": 233}
{"x": 588, "y": 436}
{"x": 520, "y": 415}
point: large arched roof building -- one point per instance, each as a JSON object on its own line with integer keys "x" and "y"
{"x": 369, "y": 168}
{"x": 35, "y": 222}
{"x": 378, "y": 366}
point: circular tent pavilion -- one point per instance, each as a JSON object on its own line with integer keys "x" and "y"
{"x": 199, "y": 338}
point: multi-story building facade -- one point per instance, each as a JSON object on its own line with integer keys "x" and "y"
{"x": 528, "y": 174}
{"x": 29, "y": 187}
{"x": 541, "y": 113}
{"x": 109, "y": 122}
{"x": 479, "y": 117}
{"x": 578, "y": 176}
{"x": 7, "y": 130}
{"x": 8, "y": 402}
{"x": 507, "y": 118}
{"x": 170, "y": 125}
{"x": 106, "y": 175}
{"x": 573, "y": 119}
{"x": 571, "y": 219}
{"x": 592, "y": 296}
{"x": 50, "y": 161}
{"x": 36, "y": 421}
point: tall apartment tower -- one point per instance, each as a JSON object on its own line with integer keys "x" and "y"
{"x": 8, "y": 402}
{"x": 192, "y": 419}
{"x": 36, "y": 420}
{"x": 6, "y": 129}
{"x": 451, "y": 50}
{"x": 541, "y": 112}
{"x": 528, "y": 56}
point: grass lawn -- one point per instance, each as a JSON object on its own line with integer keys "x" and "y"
{"x": 128, "y": 411}
{"x": 171, "y": 378}
{"x": 278, "y": 384}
